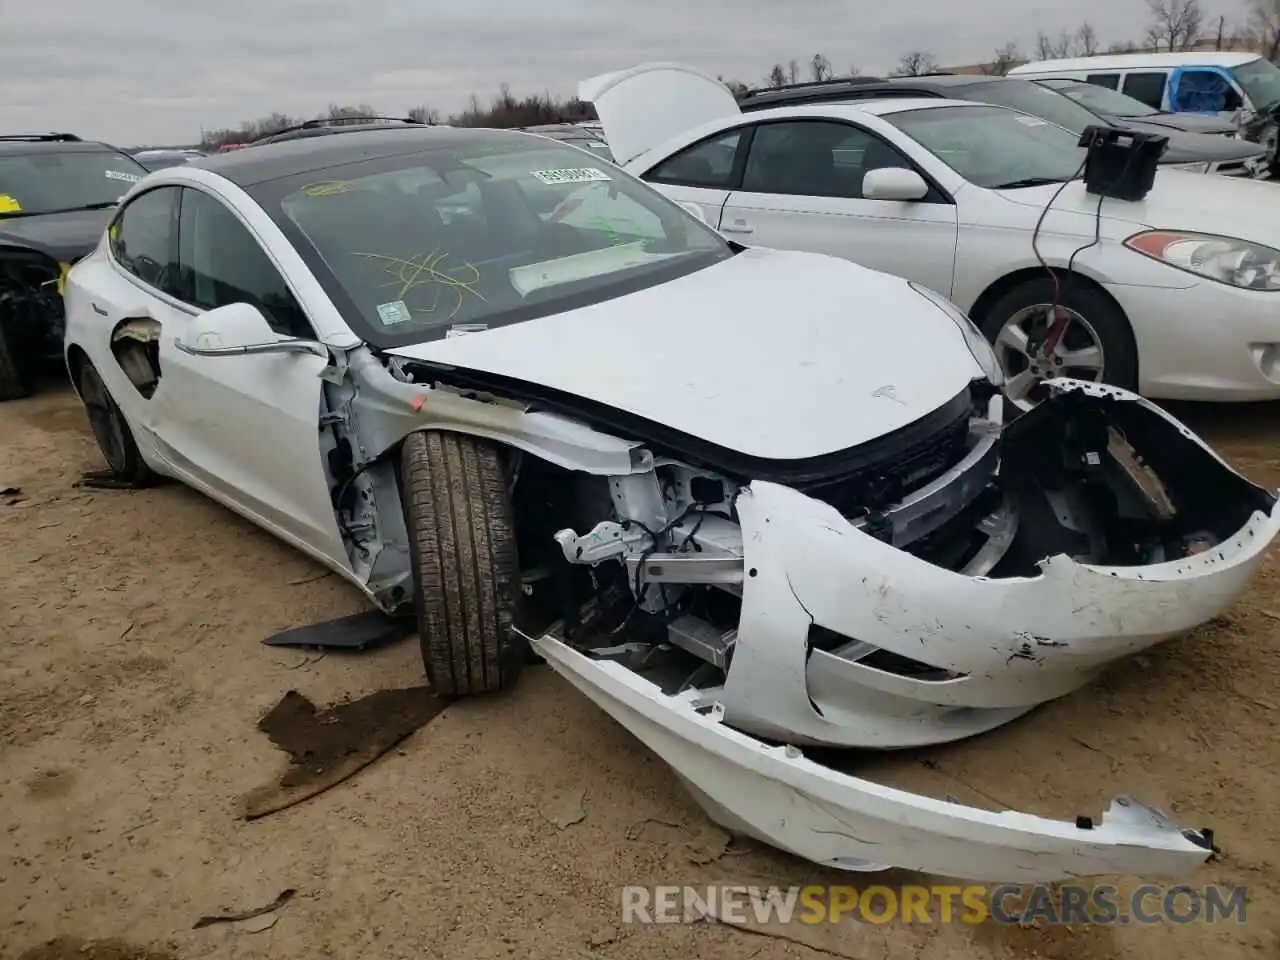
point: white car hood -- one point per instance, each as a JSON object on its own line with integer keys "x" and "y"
{"x": 777, "y": 355}
{"x": 646, "y": 105}
{"x": 1179, "y": 200}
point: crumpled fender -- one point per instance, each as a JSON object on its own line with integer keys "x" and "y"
{"x": 1018, "y": 641}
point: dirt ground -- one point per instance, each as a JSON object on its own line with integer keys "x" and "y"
{"x": 132, "y": 677}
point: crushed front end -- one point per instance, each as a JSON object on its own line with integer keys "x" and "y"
{"x": 31, "y": 316}
{"x": 974, "y": 571}
{"x": 969, "y": 575}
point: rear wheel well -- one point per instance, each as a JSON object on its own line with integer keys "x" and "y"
{"x": 991, "y": 296}
{"x": 77, "y": 359}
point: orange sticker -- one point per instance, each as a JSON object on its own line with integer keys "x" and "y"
{"x": 419, "y": 402}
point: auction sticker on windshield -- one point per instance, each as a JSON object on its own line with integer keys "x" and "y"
{"x": 9, "y": 205}
{"x": 571, "y": 175}
{"x": 394, "y": 312}
{"x": 120, "y": 175}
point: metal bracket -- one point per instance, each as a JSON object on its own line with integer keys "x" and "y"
{"x": 607, "y": 539}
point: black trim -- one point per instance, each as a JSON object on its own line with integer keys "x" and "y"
{"x": 694, "y": 450}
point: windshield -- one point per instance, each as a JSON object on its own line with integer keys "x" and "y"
{"x": 994, "y": 147}
{"x": 44, "y": 180}
{"x": 492, "y": 230}
{"x": 1106, "y": 101}
{"x": 1260, "y": 79}
{"x": 1036, "y": 100}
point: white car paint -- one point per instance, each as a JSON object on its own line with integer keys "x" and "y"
{"x": 1196, "y": 338}
{"x": 774, "y": 355}
{"x": 809, "y": 368}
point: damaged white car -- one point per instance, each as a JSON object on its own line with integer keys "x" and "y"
{"x": 745, "y": 500}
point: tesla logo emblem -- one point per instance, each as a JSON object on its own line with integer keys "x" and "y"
{"x": 889, "y": 392}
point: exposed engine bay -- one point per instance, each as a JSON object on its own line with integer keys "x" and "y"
{"x": 655, "y": 561}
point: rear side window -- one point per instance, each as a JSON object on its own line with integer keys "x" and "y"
{"x": 1109, "y": 80}
{"x": 706, "y": 164}
{"x": 1147, "y": 87}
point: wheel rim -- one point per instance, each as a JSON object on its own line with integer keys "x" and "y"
{"x": 1078, "y": 353}
{"x": 104, "y": 420}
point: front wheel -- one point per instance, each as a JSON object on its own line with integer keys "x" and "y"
{"x": 463, "y": 549}
{"x": 1093, "y": 339}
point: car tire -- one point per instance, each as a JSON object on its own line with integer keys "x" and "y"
{"x": 1120, "y": 354}
{"x": 110, "y": 429}
{"x": 15, "y": 383}
{"x": 466, "y": 575}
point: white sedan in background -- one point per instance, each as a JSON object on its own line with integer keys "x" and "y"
{"x": 1176, "y": 296}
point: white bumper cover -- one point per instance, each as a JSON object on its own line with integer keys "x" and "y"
{"x": 779, "y": 797}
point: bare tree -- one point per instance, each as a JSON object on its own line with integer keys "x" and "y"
{"x": 1264, "y": 27}
{"x": 1053, "y": 48}
{"x": 916, "y": 63}
{"x": 793, "y": 71}
{"x": 1175, "y": 24}
{"x": 1123, "y": 46}
{"x": 736, "y": 87}
{"x": 854, "y": 70}
{"x": 777, "y": 76}
{"x": 424, "y": 114}
{"x": 820, "y": 67}
{"x": 1086, "y": 40}
{"x": 1006, "y": 58}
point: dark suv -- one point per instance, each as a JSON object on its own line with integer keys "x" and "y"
{"x": 57, "y": 194}
{"x": 1202, "y": 152}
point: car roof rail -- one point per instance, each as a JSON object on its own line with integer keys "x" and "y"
{"x": 321, "y": 122}
{"x": 810, "y": 85}
{"x": 41, "y": 137}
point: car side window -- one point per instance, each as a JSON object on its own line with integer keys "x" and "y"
{"x": 705, "y": 164}
{"x": 815, "y": 158}
{"x": 143, "y": 238}
{"x": 1147, "y": 87}
{"x": 222, "y": 263}
{"x": 1205, "y": 91}
{"x": 1109, "y": 80}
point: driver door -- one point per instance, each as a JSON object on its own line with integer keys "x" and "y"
{"x": 801, "y": 189}
{"x": 245, "y": 429}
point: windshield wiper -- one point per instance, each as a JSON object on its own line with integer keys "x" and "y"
{"x": 104, "y": 205}
{"x": 1028, "y": 182}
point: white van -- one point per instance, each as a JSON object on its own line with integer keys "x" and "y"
{"x": 1211, "y": 81}
{"x": 1242, "y": 86}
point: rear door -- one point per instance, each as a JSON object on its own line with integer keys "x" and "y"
{"x": 801, "y": 189}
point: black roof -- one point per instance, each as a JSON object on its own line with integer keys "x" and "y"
{"x": 934, "y": 84}
{"x": 271, "y": 161}
{"x": 14, "y": 143}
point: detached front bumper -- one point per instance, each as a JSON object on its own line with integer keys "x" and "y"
{"x": 846, "y": 641}
{"x": 779, "y": 797}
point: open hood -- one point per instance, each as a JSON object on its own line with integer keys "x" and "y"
{"x": 648, "y": 104}
{"x": 775, "y": 355}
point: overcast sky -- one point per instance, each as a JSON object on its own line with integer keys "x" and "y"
{"x": 153, "y": 71}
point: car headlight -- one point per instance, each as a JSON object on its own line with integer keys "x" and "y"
{"x": 1190, "y": 167}
{"x": 973, "y": 338}
{"x": 1249, "y": 266}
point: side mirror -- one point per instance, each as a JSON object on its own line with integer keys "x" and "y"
{"x": 238, "y": 329}
{"x": 894, "y": 183}
{"x": 695, "y": 209}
